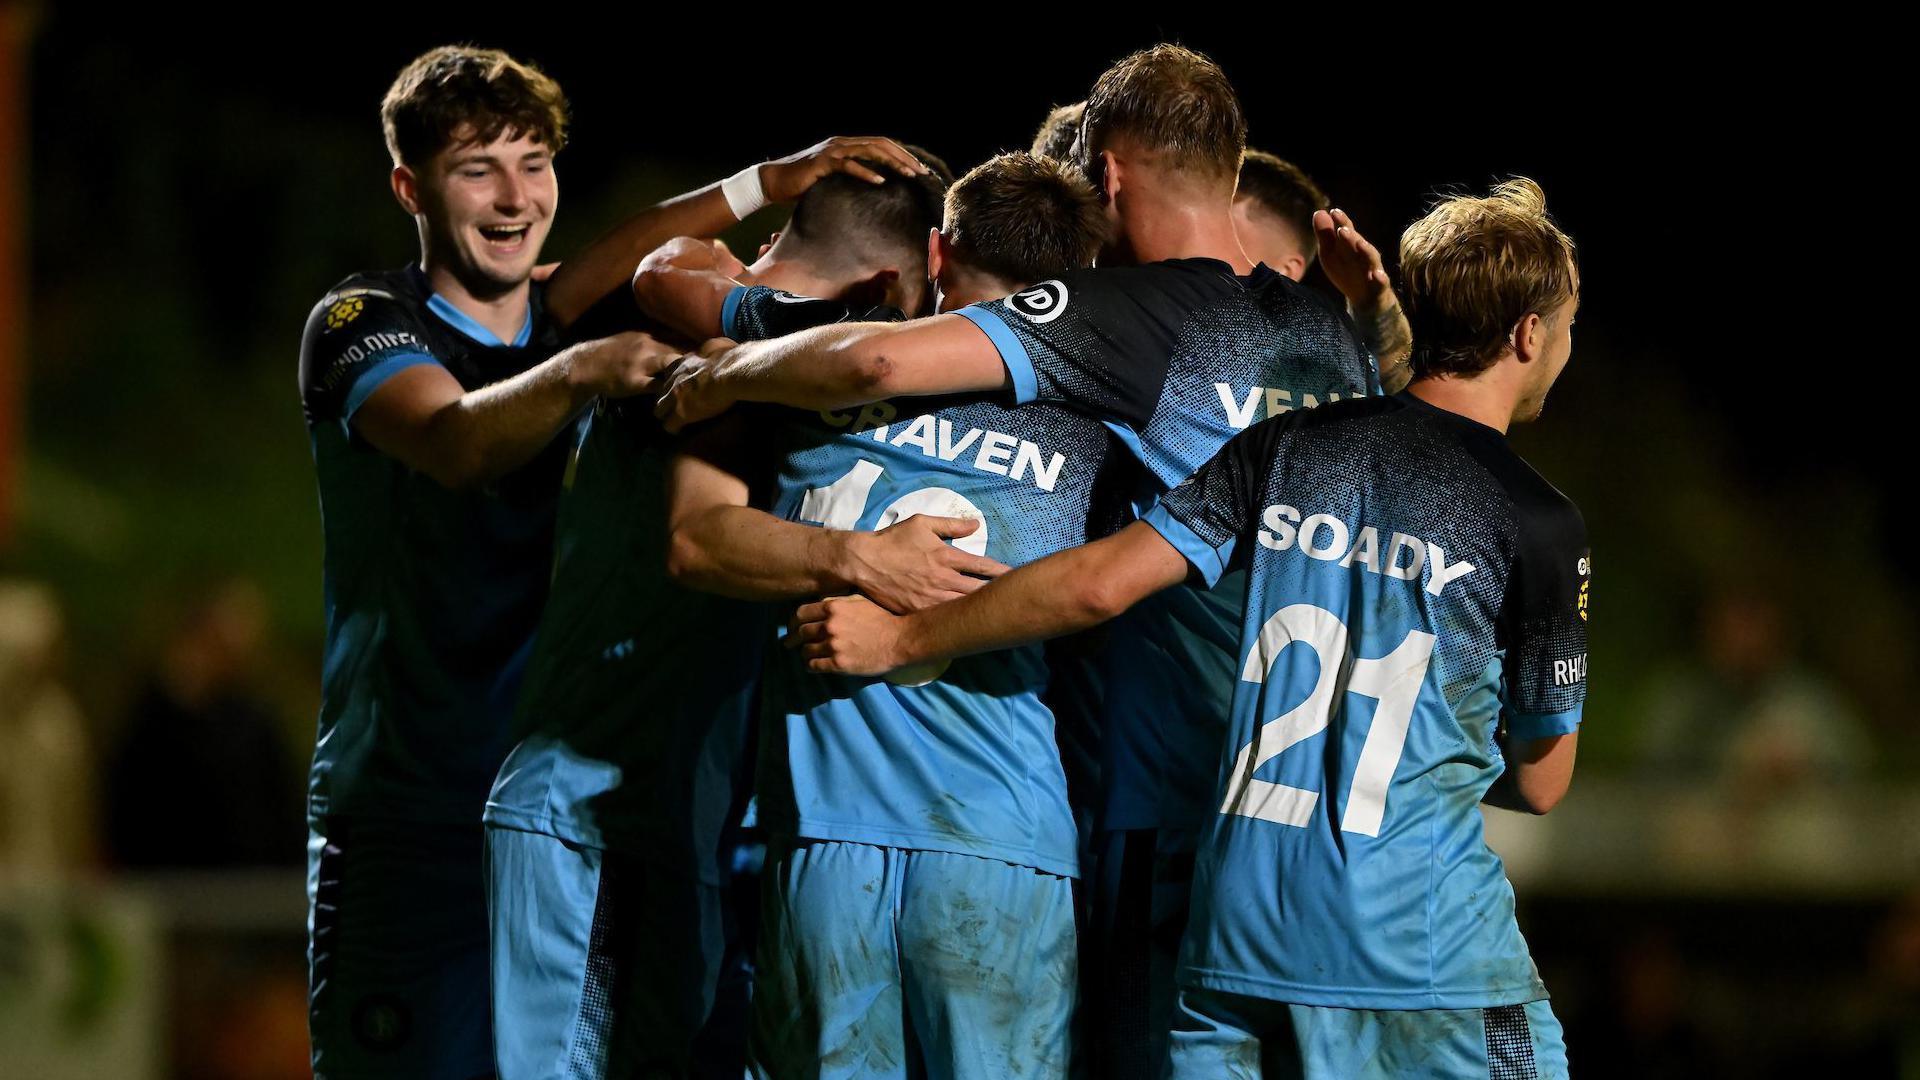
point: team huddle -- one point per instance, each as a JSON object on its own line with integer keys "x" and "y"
{"x": 1011, "y": 627}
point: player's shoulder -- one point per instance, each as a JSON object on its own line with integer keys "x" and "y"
{"x": 375, "y": 299}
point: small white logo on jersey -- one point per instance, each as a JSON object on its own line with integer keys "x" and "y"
{"x": 1570, "y": 672}
{"x": 1042, "y": 303}
{"x": 790, "y": 298}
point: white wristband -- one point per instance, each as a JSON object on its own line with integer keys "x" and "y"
{"x": 743, "y": 192}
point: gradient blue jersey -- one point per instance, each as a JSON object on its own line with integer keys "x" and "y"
{"x": 432, "y": 595}
{"x": 1179, "y": 356}
{"x": 961, "y": 757}
{"x": 635, "y": 723}
{"x": 1414, "y": 588}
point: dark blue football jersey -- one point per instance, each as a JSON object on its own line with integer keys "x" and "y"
{"x": 432, "y": 595}
{"x": 1178, "y": 356}
{"x": 639, "y": 699}
{"x": 1413, "y": 588}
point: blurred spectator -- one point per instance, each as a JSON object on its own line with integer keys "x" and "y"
{"x": 202, "y": 778}
{"x": 46, "y": 788}
{"x": 1749, "y": 712}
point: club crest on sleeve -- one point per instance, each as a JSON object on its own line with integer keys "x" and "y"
{"x": 1041, "y": 303}
{"x": 344, "y": 310}
{"x": 1586, "y": 581}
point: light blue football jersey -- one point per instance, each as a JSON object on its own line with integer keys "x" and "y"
{"x": 1413, "y": 587}
{"x": 961, "y": 757}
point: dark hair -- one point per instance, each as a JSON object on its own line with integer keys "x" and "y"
{"x": 1175, "y": 103}
{"x": 845, "y": 221}
{"x": 1022, "y": 218}
{"x": 1474, "y": 267}
{"x": 1058, "y": 130}
{"x": 456, "y": 87}
{"x": 1282, "y": 189}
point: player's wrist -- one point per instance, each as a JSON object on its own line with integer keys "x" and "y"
{"x": 745, "y": 191}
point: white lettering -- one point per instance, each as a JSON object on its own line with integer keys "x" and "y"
{"x": 1366, "y": 549}
{"x": 1443, "y": 573}
{"x": 1279, "y": 401}
{"x": 1336, "y": 531}
{"x": 996, "y": 450}
{"x": 1242, "y": 415}
{"x": 1403, "y": 542}
{"x": 919, "y": 433}
{"x": 950, "y": 449}
{"x": 1028, "y": 461}
{"x": 1277, "y": 519}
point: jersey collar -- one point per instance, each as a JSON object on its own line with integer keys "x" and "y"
{"x": 465, "y": 324}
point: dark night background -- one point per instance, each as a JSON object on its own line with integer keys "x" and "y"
{"x": 1724, "y": 423}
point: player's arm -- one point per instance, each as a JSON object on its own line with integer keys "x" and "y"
{"x": 718, "y": 543}
{"x": 1097, "y": 341}
{"x": 1544, "y": 625}
{"x": 609, "y": 261}
{"x": 1539, "y": 771}
{"x": 1193, "y": 530}
{"x": 1060, "y": 594}
{"x": 1355, "y": 268}
{"x": 422, "y": 417}
{"x": 836, "y": 367}
{"x": 684, "y": 284}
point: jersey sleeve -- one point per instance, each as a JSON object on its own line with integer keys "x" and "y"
{"x": 1546, "y": 625}
{"x": 1098, "y": 341}
{"x": 356, "y": 339}
{"x": 756, "y": 313}
{"x": 1204, "y": 516}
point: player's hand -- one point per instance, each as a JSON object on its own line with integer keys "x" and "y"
{"x": 622, "y": 365}
{"x": 693, "y": 393}
{"x": 786, "y": 179}
{"x": 847, "y": 635}
{"x": 1352, "y": 263}
{"x": 909, "y": 565}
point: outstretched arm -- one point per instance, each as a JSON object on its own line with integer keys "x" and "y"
{"x": 423, "y": 418}
{"x": 1355, "y": 268}
{"x": 1057, "y": 595}
{"x": 609, "y": 261}
{"x": 836, "y": 367}
{"x": 718, "y": 543}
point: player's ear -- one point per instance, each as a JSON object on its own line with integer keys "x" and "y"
{"x": 406, "y": 188}
{"x": 936, "y": 254}
{"x": 772, "y": 239}
{"x": 1529, "y": 334}
{"x": 1293, "y": 266}
{"x": 1110, "y": 170}
{"x": 879, "y": 287}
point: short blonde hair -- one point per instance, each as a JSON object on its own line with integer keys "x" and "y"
{"x": 1473, "y": 267}
{"x": 1174, "y": 102}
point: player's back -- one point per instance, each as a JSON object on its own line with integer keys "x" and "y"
{"x": 954, "y": 758}
{"x": 431, "y": 594}
{"x": 1237, "y": 350}
{"x": 1418, "y": 561}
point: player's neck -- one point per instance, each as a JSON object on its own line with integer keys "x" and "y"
{"x": 504, "y": 315}
{"x": 791, "y": 275}
{"x": 1488, "y": 398}
{"x": 1173, "y": 229}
